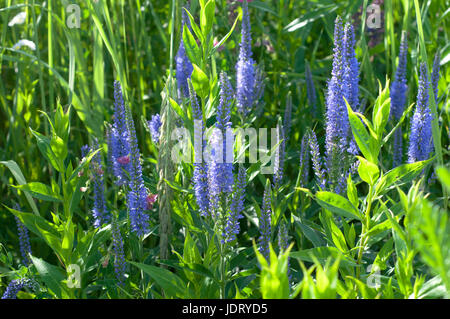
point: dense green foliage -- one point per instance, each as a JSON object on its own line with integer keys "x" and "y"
{"x": 386, "y": 236}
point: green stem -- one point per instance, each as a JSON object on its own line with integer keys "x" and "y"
{"x": 364, "y": 231}
{"x": 66, "y": 200}
{"x": 222, "y": 271}
{"x": 50, "y": 54}
{"x": 141, "y": 259}
{"x": 221, "y": 239}
{"x": 39, "y": 62}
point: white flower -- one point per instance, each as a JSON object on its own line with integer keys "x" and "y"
{"x": 24, "y": 42}
{"x": 18, "y": 19}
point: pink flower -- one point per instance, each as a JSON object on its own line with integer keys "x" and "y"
{"x": 124, "y": 160}
{"x": 83, "y": 189}
{"x": 105, "y": 262}
{"x": 216, "y": 43}
{"x": 150, "y": 200}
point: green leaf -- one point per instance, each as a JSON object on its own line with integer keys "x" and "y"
{"x": 444, "y": 176}
{"x": 202, "y": 3}
{"x": 195, "y": 27}
{"x": 85, "y": 162}
{"x": 222, "y": 41}
{"x": 384, "y": 254}
{"x": 68, "y": 237}
{"x": 200, "y": 82}
{"x": 274, "y": 279}
{"x": 432, "y": 289}
{"x": 177, "y": 108}
{"x": 398, "y": 123}
{"x": 337, "y": 236}
{"x": 178, "y": 187}
{"x": 167, "y": 280}
{"x": 62, "y": 123}
{"x": 40, "y": 191}
{"x": 337, "y": 204}
{"x": 322, "y": 254}
{"x": 41, "y": 227}
{"x": 51, "y": 276}
{"x": 59, "y": 148}
{"x": 191, "y": 259}
{"x": 381, "y": 110}
{"x": 192, "y": 50}
{"x": 310, "y": 16}
{"x": 44, "y": 145}
{"x": 77, "y": 194}
{"x": 379, "y": 228}
{"x": 313, "y": 235}
{"x": 351, "y": 236}
{"x": 366, "y": 142}
{"x": 352, "y": 192}
{"x": 17, "y": 173}
{"x": 403, "y": 173}
{"x": 397, "y": 230}
{"x": 368, "y": 171}
{"x": 364, "y": 289}
{"x": 191, "y": 253}
{"x": 207, "y": 17}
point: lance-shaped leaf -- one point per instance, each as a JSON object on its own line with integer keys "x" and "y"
{"x": 207, "y": 17}
{"x": 321, "y": 254}
{"x": 367, "y": 142}
{"x": 190, "y": 44}
{"x": 403, "y": 173}
{"x": 200, "y": 82}
{"x": 337, "y": 204}
{"x": 40, "y": 191}
{"x": 167, "y": 280}
{"x": 381, "y": 110}
{"x": 368, "y": 171}
{"x": 17, "y": 173}
{"x": 45, "y": 146}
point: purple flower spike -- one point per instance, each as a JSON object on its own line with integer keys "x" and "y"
{"x": 220, "y": 172}
{"x": 398, "y": 90}
{"x": 237, "y": 206}
{"x": 435, "y": 75}
{"x": 340, "y": 146}
{"x": 283, "y": 242}
{"x": 16, "y": 285}
{"x": 200, "y": 176}
{"x": 304, "y": 161}
{"x": 420, "y": 144}
{"x": 245, "y": 68}
{"x": 119, "y": 139}
{"x": 265, "y": 220}
{"x": 119, "y": 256}
{"x": 24, "y": 240}
{"x": 184, "y": 66}
{"x": 351, "y": 68}
{"x": 316, "y": 159}
{"x": 137, "y": 194}
{"x": 155, "y": 125}
{"x": 100, "y": 210}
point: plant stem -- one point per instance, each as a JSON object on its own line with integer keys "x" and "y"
{"x": 141, "y": 258}
{"x": 222, "y": 271}
{"x": 221, "y": 239}
{"x": 364, "y": 231}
